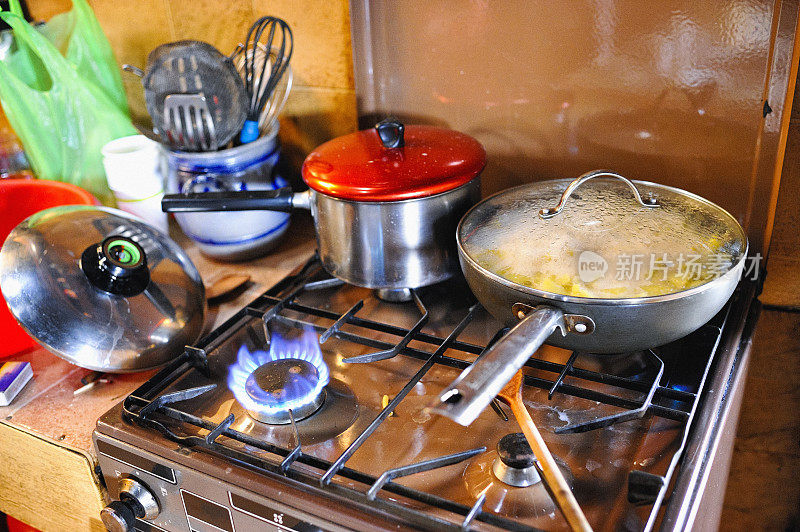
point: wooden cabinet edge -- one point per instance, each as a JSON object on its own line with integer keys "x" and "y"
{"x": 47, "y": 484}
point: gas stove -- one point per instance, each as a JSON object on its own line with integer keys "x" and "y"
{"x": 307, "y": 411}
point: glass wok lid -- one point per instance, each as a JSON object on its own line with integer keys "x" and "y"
{"x": 101, "y": 289}
{"x": 602, "y": 236}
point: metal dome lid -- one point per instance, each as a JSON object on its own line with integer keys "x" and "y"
{"x": 101, "y": 289}
{"x": 394, "y": 162}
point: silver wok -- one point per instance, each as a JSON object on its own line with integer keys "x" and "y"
{"x": 577, "y": 323}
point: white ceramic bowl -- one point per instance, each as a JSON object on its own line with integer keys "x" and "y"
{"x": 230, "y": 235}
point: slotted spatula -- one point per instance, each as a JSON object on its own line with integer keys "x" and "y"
{"x": 188, "y": 124}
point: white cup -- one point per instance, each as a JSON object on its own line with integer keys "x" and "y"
{"x": 134, "y": 173}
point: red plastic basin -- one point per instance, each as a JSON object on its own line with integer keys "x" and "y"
{"x": 20, "y": 198}
{"x": 15, "y": 525}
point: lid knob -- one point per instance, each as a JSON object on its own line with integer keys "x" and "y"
{"x": 391, "y": 130}
{"x": 117, "y": 265}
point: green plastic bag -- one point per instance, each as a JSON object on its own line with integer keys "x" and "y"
{"x": 78, "y": 36}
{"x": 64, "y": 112}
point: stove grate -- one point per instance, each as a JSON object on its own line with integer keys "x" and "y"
{"x": 387, "y": 411}
{"x": 619, "y": 417}
{"x": 146, "y": 404}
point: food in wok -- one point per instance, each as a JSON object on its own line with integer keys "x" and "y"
{"x": 603, "y": 244}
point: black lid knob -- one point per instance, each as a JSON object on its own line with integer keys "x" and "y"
{"x": 515, "y": 451}
{"x": 117, "y": 265}
{"x": 391, "y": 132}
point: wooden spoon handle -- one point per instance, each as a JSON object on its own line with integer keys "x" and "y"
{"x": 552, "y": 474}
{"x": 225, "y": 285}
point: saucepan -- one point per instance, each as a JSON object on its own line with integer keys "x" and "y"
{"x": 385, "y": 202}
{"x": 615, "y": 266}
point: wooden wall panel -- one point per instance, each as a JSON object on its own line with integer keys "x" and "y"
{"x": 782, "y": 287}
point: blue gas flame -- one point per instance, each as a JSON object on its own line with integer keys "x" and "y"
{"x": 305, "y": 347}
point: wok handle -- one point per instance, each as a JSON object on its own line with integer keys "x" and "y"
{"x": 549, "y": 212}
{"x": 473, "y": 390}
{"x": 280, "y": 199}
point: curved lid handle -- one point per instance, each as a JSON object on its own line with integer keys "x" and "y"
{"x": 549, "y": 212}
{"x": 391, "y": 132}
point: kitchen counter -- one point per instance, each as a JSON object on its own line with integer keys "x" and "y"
{"x": 48, "y": 478}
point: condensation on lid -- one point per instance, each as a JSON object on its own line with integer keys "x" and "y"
{"x": 603, "y": 244}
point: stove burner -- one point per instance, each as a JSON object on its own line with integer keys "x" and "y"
{"x": 291, "y": 376}
{"x": 394, "y": 295}
{"x": 508, "y": 480}
{"x": 278, "y": 384}
{"x": 515, "y": 464}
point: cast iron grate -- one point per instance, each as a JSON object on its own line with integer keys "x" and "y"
{"x": 149, "y": 405}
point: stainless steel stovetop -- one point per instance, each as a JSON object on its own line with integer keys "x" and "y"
{"x": 371, "y": 457}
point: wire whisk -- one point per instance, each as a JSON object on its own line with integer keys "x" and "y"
{"x": 262, "y": 76}
{"x": 280, "y": 93}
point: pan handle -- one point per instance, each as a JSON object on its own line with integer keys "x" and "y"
{"x": 280, "y": 199}
{"x": 549, "y": 212}
{"x": 464, "y": 400}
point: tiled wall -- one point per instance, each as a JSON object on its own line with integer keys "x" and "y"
{"x": 322, "y": 102}
{"x": 671, "y": 92}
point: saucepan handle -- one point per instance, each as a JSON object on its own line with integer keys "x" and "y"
{"x": 280, "y": 199}
{"x": 474, "y": 389}
{"x": 549, "y": 212}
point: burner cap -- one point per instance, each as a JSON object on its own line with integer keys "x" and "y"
{"x": 394, "y": 295}
{"x": 516, "y": 464}
{"x": 515, "y": 451}
{"x": 507, "y": 491}
{"x": 283, "y": 385}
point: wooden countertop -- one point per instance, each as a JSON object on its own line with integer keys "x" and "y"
{"x": 49, "y": 479}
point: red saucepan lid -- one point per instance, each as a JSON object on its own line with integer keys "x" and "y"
{"x": 394, "y": 162}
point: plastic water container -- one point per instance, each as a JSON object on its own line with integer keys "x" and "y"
{"x": 230, "y": 235}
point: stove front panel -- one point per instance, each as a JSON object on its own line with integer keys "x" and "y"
{"x": 191, "y": 500}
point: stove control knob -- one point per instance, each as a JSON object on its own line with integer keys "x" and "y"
{"x": 135, "y": 500}
{"x": 118, "y": 517}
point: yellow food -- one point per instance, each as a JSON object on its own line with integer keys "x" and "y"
{"x": 602, "y": 244}
{"x": 607, "y": 287}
